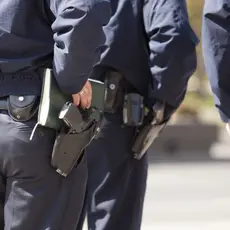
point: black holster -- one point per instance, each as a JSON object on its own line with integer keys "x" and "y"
{"x": 145, "y": 137}
{"x": 153, "y": 124}
{"x": 79, "y": 130}
{"x": 68, "y": 149}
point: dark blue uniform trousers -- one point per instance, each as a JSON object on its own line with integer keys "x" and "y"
{"x": 32, "y": 195}
{"x": 116, "y": 181}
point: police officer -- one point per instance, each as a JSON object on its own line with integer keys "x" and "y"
{"x": 151, "y": 45}
{"x": 35, "y": 35}
{"x": 216, "y": 52}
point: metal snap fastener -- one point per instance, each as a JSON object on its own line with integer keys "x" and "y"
{"x": 18, "y": 116}
{"x": 21, "y": 98}
{"x": 112, "y": 86}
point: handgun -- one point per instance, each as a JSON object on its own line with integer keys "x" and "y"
{"x": 81, "y": 128}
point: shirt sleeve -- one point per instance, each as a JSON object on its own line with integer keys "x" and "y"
{"x": 78, "y": 40}
{"x": 171, "y": 44}
{"x": 216, "y": 51}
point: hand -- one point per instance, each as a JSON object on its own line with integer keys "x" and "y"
{"x": 84, "y": 98}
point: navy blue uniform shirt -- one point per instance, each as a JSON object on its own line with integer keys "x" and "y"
{"x": 216, "y": 51}
{"x": 152, "y": 44}
{"x": 72, "y": 42}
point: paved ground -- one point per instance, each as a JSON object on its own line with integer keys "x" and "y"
{"x": 191, "y": 195}
{"x": 188, "y": 197}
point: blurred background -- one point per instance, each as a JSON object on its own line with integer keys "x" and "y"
{"x": 188, "y": 182}
{"x": 198, "y": 104}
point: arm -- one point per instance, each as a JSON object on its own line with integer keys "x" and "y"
{"x": 171, "y": 44}
{"x": 78, "y": 40}
{"x": 216, "y": 50}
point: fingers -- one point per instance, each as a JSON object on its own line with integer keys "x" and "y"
{"x": 83, "y": 99}
{"x": 76, "y": 99}
{"x": 89, "y": 87}
{"x": 86, "y": 95}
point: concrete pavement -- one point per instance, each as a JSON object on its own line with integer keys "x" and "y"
{"x": 188, "y": 196}
{"x": 189, "y": 192}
